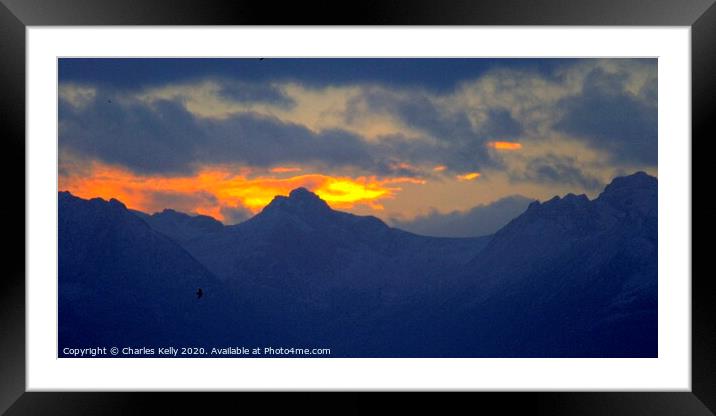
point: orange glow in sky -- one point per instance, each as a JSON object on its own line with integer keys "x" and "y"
{"x": 212, "y": 189}
{"x": 439, "y": 168}
{"x": 281, "y": 169}
{"x": 468, "y": 176}
{"x": 505, "y": 145}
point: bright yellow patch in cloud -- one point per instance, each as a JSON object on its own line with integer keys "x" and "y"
{"x": 505, "y": 145}
{"x": 213, "y": 188}
{"x": 468, "y": 176}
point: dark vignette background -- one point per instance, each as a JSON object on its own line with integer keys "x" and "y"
{"x": 16, "y": 14}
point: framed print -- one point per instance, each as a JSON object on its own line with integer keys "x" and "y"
{"x": 493, "y": 206}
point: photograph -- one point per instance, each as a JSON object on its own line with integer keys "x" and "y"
{"x": 490, "y": 198}
{"x": 357, "y": 207}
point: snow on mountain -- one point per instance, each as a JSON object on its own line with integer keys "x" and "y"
{"x": 569, "y": 277}
{"x": 119, "y": 280}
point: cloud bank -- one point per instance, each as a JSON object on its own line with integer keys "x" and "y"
{"x": 478, "y": 221}
{"x": 535, "y": 127}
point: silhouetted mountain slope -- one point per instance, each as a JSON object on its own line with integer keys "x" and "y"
{"x": 300, "y": 246}
{"x": 179, "y": 226}
{"x": 299, "y": 262}
{"x": 569, "y": 277}
{"x": 119, "y": 280}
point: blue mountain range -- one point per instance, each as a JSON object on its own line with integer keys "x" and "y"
{"x": 569, "y": 277}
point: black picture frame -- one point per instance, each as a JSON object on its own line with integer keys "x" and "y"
{"x": 15, "y": 15}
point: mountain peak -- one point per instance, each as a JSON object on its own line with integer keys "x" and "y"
{"x": 117, "y": 203}
{"x": 636, "y": 192}
{"x": 303, "y": 194}
{"x": 636, "y": 180}
{"x": 300, "y": 201}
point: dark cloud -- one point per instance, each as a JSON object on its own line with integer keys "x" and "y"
{"x": 264, "y": 141}
{"x": 478, "y": 221}
{"x": 500, "y": 125}
{"x": 553, "y": 169}
{"x": 461, "y": 145}
{"x": 244, "y": 92}
{"x": 609, "y": 117}
{"x": 420, "y": 113}
{"x": 164, "y": 137}
{"x": 435, "y": 74}
{"x": 394, "y": 149}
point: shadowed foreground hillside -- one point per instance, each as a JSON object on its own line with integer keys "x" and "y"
{"x": 569, "y": 277}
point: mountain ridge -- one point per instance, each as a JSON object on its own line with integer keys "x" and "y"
{"x": 120, "y": 280}
{"x": 180, "y": 226}
{"x": 569, "y": 277}
{"x": 600, "y": 252}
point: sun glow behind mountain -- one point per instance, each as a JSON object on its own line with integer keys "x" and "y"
{"x": 398, "y": 139}
{"x": 213, "y": 189}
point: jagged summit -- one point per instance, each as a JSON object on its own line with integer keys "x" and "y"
{"x": 299, "y": 200}
{"x": 68, "y": 197}
{"x": 302, "y": 193}
{"x": 568, "y": 201}
{"x": 633, "y": 193}
{"x": 636, "y": 180}
{"x": 303, "y": 213}
{"x": 569, "y": 278}
{"x": 570, "y": 197}
{"x": 627, "y": 201}
{"x": 622, "y": 188}
{"x": 622, "y": 185}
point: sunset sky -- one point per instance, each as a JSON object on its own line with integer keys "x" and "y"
{"x": 394, "y": 138}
